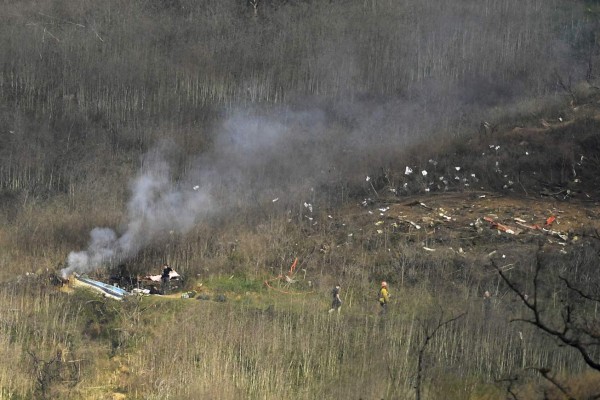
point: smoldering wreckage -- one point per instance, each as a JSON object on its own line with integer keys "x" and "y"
{"x": 433, "y": 216}
{"x": 435, "y": 220}
{"x": 121, "y": 286}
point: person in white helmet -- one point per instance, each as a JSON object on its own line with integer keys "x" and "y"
{"x": 384, "y": 297}
{"x": 336, "y": 302}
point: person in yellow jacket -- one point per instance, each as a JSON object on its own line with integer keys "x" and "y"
{"x": 384, "y": 297}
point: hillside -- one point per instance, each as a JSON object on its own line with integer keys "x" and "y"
{"x": 269, "y": 150}
{"x": 520, "y": 197}
{"x": 501, "y": 188}
{"x": 439, "y": 249}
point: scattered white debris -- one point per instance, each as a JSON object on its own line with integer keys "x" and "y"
{"x": 378, "y": 223}
{"x": 309, "y": 206}
{"x": 415, "y": 225}
{"x": 424, "y": 173}
{"x": 384, "y": 209}
{"x": 379, "y": 231}
{"x": 408, "y": 171}
{"x": 457, "y": 168}
{"x": 526, "y": 153}
{"x": 196, "y": 187}
{"x": 330, "y": 217}
{"x": 428, "y": 249}
{"x": 275, "y": 199}
{"x": 368, "y": 178}
{"x": 446, "y": 217}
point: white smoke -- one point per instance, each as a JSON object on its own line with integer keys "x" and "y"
{"x": 102, "y": 248}
{"x": 254, "y": 158}
{"x": 158, "y": 207}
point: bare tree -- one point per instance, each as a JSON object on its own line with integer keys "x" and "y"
{"x": 47, "y": 372}
{"x": 571, "y": 326}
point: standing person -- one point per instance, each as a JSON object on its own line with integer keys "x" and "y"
{"x": 166, "y": 278}
{"x": 487, "y": 305}
{"x": 384, "y": 297}
{"x": 336, "y": 302}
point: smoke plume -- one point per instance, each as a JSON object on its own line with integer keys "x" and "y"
{"x": 158, "y": 207}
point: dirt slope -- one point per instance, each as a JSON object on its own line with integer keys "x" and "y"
{"x": 506, "y": 191}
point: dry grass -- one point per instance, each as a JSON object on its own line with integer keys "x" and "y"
{"x": 258, "y": 345}
{"x": 265, "y": 344}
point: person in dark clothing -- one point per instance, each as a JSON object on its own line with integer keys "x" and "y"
{"x": 336, "y": 302}
{"x": 166, "y": 278}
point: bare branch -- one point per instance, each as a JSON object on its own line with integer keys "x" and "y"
{"x": 578, "y": 291}
{"x": 511, "y": 382}
{"x": 568, "y": 334}
{"x": 545, "y": 372}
